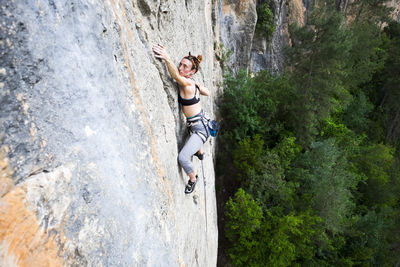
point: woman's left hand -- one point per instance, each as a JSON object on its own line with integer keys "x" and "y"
{"x": 160, "y": 52}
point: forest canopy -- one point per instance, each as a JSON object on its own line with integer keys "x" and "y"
{"x": 311, "y": 157}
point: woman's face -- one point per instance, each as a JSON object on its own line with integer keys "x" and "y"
{"x": 185, "y": 68}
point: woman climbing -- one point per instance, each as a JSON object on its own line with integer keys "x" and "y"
{"x": 189, "y": 97}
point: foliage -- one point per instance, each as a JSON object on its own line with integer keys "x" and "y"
{"x": 270, "y": 187}
{"x": 265, "y": 19}
{"x": 316, "y": 150}
{"x": 357, "y": 113}
{"x": 368, "y": 238}
{"x": 385, "y": 86}
{"x": 261, "y": 173}
{"x": 366, "y": 55}
{"x": 244, "y": 220}
{"x": 222, "y": 54}
{"x": 250, "y": 106}
{"x": 276, "y": 240}
{"x": 287, "y": 150}
{"x": 347, "y": 140}
{"x": 288, "y": 238}
{"x": 375, "y": 162}
{"x": 317, "y": 61}
{"x": 325, "y": 184}
{"x": 247, "y": 156}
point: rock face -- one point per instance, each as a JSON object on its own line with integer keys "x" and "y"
{"x": 395, "y": 4}
{"x": 90, "y": 134}
{"x": 237, "y": 21}
{"x": 253, "y": 51}
{"x": 267, "y": 50}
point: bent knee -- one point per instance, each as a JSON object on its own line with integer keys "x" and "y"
{"x": 185, "y": 163}
{"x": 182, "y": 159}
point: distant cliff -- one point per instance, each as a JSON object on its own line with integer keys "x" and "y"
{"x": 259, "y": 51}
{"x": 253, "y": 50}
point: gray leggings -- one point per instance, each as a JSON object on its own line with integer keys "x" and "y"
{"x": 192, "y": 146}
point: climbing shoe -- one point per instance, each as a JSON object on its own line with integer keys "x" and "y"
{"x": 190, "y": 186}
{"x": 200, "y": 156}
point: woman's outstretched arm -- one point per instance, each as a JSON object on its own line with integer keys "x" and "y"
{"x": 204, "y": 90}
{"x": 160, "y": 52}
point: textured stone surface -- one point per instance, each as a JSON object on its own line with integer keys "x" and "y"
{"x": 237, "y": 21}
{"x": 395, "y": 4}
{"x": 267, "y": 50}
{"x": 91, "y": 129}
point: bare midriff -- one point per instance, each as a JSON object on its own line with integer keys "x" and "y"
{"x": 192, "y": 110}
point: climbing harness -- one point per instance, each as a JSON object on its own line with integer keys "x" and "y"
{"x": 199, "y": 118}
{"x": 211, "y": 126}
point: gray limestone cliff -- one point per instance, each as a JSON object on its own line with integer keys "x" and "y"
{"x": 90, "y": 131}
{"x": 254, "y": 51}
{"x": 251, "y": 50}
{"x": 236, "y": 21}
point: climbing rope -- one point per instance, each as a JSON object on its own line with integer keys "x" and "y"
{"x": 205, "y": 193}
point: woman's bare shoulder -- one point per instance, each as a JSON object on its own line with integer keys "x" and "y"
{"x": 190, "y": 86}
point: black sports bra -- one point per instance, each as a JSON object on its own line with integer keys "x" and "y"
{"x": 191, "y": 101}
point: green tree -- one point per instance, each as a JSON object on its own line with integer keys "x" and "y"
{"x": 265, "y": 19}
{"x": 261, "y": 171}
{"x": 317, "y": 64}
{"x": 247, "y": 157}
{"x": 287, "y": 150}
{"x": 289, "y": 238}
{"x": 244, "y": 217}
{"x": 251, "y": 106}
{"x": 276, "y": 240}
{"x": 385, "y": 89}
{"x": 365, "y": 57}
{"x": 325, "y": 184}
{"x": 347, "y": 140}
{"x": 356, "y": 116}
{"x": 368, "y": 242}
{"x": 270, "y": 187}
{"x": 376, "y": 162}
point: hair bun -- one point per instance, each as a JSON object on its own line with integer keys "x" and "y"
{"x": 199, "y": 58}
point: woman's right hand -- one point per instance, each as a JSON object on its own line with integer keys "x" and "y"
{"x": 160, "y": 52}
